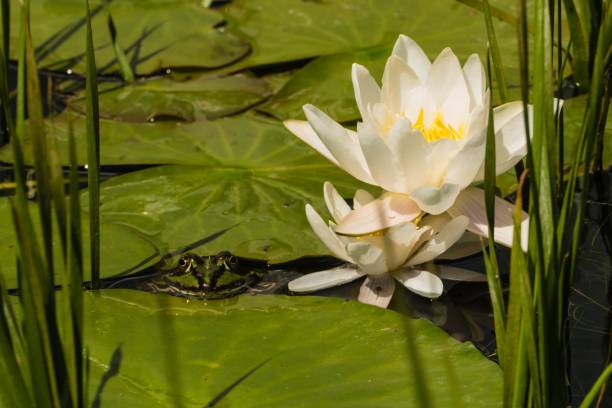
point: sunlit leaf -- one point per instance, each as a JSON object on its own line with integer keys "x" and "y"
{"x": 246, "y": 174}
{"x": 287, "y": 30}
{"x": 358, "y": 355}
{"x": 122, "y": 247}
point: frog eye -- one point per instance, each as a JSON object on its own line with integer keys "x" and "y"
{"x": 232, "y": 259}
{"x": 183, "y": 262}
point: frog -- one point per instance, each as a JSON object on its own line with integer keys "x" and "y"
{"x": 206, "y": 277}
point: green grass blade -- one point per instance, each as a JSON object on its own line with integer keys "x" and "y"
{"x": 6, "y": 116}
{"x": 592, "y": 394}
{"x": 13, "y": 388}
{"x": 491, "y": 265}
{"x": 39, "y": 150}
{"x": 515, "y": 380}
{"x": 543, "y": 151}
{"x": 5, "y": 11}
{"x": 93, "y": 153}
{"x": 578, "y": 20}
{"x": 36, "y": 329}
{"x": 498, "y": 65}
{"x": 75, "y": 265}
{"x": 124, "y": 65}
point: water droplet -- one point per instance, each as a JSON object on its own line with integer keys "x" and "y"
{"x": 69, "y": 71}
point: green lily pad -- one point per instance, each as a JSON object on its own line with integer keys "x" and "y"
{"x": 155, "y": 35}
{"x": 301, "y": 352}
{"x": 325, "y": 83}
{"x": 248, "y": 175}
{"x": 203, "y": 98}
{"x": 122, "y": 249}
{"x": 288, "y": 30}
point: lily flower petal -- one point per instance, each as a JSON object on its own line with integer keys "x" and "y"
{"x": 336, "y": 205}
{"x": 469, "y": 244}
{"x": 476, "y": 79}
{"x": 435, "y": 200}
{"x": 459, "y": 274}
{"x": 306, "y": 133}
{"x": 367, "y": 91}
{"x": 340, "y": 142}
{"x": 385, "y": 212}
{"x": 444, "y": 75}
{"x": 401, "y": 241}
{"x": 362, "y": 197}
{"x": 324, "y": 233}
{"x": 371, "y": 260}
{"x": 408, "y": 50}
{"x": 510, "y": 138}
{"x": 471, "y": 203}
{"x": 456, "y": 106}
{"x": 325, "y": 279}
{"x": 377, "y": 291}
{"x": 421, "y": 282}
{"x": 436, "y": 222}
{"x": 441, "y": 241}
{"x": 398, "y": 79}
{"x": 381, "y": 162}
{"x": 413, "y": 150}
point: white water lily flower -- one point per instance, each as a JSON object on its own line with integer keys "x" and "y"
{"x": 422, "y": 139}
{"x": 383, "y": 256}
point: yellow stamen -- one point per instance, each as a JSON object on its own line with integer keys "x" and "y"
{"x": 437, "y": 129}
{"x": 372, "y": 234}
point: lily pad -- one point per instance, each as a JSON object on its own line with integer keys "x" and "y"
{"x": 247, "y": 175}
{"x": 203, "y": 98}
{"x": 251, "y": 177}
{"x": 325, "y": 83}
{"x": 155, "y": 35}
{"x": 173, "y": 350}
{"x": 122, "y": 249}
{"x": 288, "y": 30}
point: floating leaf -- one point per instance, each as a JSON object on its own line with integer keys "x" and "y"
{"x": 203, "y": 98}
{"x": 359, "y": 355}
{"x": 288, "y": 30}
{"x": 154, "y": 35}
{"x": 247, "y": 174}
{"x": 325, "y": 83}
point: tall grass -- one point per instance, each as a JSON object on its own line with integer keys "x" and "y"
{"x": 93, "y": 153}
{"x": 41, "y": 330}
{"x": 534, "y": 358}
